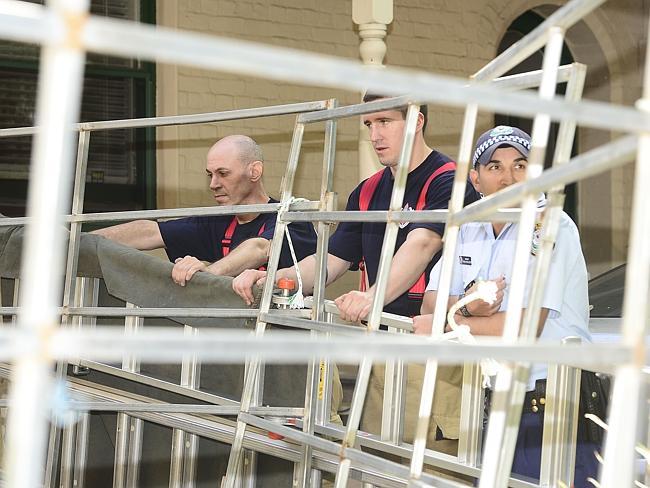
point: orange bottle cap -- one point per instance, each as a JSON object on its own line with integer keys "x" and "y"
{"x": 286, "y": 284}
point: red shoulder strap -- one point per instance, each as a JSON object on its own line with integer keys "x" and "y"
{"x": 227, "y": 237}
{"x": 422, "y": 199}
{"x": 230, "y": 231}
{"x": 417, "y": 290}
{"x": 259, "y": 233}
{"x": 368, "y": 190}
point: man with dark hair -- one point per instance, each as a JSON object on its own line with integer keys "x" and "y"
{"x": 231, "y": 244}
{"x": 424, "y": 110}
{"x": 485, "y": 251}
{"x": 428, "y": 186}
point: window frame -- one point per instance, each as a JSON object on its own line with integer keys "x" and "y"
{"x": 141, "y": 194}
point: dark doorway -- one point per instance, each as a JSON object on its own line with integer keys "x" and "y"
{"x": 522, "y": 26}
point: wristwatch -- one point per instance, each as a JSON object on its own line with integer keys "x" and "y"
{"x": 463, "y": 310}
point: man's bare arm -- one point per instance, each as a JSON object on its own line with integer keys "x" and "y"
{"x": 408, "y": 263}
{"x": 429, "y": 302}
{"x": 476, "y": 307}
{"x": 250, "y": 254}
{"x": 243, "y": 284}
{"x": 140, "y": 234}
{"x": 492, "y": 325}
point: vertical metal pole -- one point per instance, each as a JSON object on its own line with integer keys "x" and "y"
{"x": 185, "y": 445}
{"x": 253, "y": 366}
{"x": 75, "y": 227}
{"x": 190, "y": 465}
{"x": 59, "y": 96}
{"x": 392, "y": 415}
{"x": 128, "y": 439}
{"x": 560, "y": 423}
{"x": 439, "y": 313}
{"x": 121, "y": 451}
{"x": 134, "y": 457}
{"x": 558, "y": 447}
{"x": 67, "y": 457}
{"x": 85, "y": 294}
{"x": 511, "y": 383}
{"x": 2, "y": 317}
{"x": 629, "y": 392}
{"x": 15, "y": 300}
{"x": 471, "y": 416}
{"x": 83, "y": 429}
{"x": 387, "y": 251}
{"x": 69, "y": 295}
{"x": 304, "y": 475}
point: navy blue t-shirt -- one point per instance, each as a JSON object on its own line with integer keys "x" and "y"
{"x": 202, "y": 237}
{"x": 354, "y": 240}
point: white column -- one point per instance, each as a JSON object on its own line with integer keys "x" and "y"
{"x": 372, "y": 17}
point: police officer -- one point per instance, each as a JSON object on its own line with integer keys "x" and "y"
{"x": 485, "y": 251}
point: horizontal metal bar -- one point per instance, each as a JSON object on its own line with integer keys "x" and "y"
{"x": 357, "y": 109}
{"x": 355, "y": 455}
{"x": 531, "y": 79}
{"x": 420, "y": 216}
{"x": 161, "y": 312}
{"x": 18, "y": 131}
{"x": 149, "y": 312}
{"x": 288, "y": 321}
{"x": 240, "y": 114}
{"x": 162, "y": 344}
{"x": 388, "y": 319}
{"x": 590, "y": 163}
{"x": 157, "y": 383}
{"x": 222, "y": 430}
{"x": 128, "y": 407}
{"x": 405, "y": 450}
{"x": 522, "y": 80}
{"x": 216, "y": 428}
{"x": 172, "y": 213}
{"x": 237, "y": 56}
{"x": 203, "y": 118}
{"x": 166, "y": 45}
{"x": 564, "y": 18}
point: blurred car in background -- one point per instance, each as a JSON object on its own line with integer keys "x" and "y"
{"x": 606, "y": 300}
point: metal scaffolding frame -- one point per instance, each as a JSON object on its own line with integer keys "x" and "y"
{"x": 66, "y": 32}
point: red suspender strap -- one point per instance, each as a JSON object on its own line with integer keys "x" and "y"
{"x": 417, "y": 290}
{"x": 261, "y": 231}
{"x": 227, "y": 237}
{"x": 367, "y": 191}
{"x": 422, "y": 199}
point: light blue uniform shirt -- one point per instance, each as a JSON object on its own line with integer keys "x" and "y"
{"x": 482, "y": 256}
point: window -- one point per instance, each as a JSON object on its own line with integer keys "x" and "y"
{"x": 121, "y": 166}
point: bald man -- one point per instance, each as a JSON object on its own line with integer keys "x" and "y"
{"x": 223, "y": 245}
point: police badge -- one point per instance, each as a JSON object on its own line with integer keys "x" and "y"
{"x": 537, "y": 236}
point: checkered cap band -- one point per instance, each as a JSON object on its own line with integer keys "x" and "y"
{"x": 502, "y": 139}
